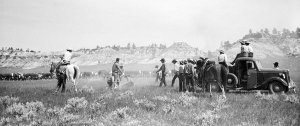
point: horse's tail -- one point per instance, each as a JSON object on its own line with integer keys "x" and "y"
{"x": 76, "y": 72}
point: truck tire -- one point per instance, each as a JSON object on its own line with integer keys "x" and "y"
{"x": 232, "y": 80}
{"x": 276, "y": 87}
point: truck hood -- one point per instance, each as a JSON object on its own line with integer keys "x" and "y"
{"x": 272, "y": 70}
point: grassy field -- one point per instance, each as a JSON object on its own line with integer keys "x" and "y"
{"x": 144, "y": 103}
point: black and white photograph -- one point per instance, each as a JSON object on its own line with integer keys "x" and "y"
{"x": 149, "y": 62}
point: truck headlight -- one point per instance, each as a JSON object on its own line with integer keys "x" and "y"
{"x": 282, "y": 75}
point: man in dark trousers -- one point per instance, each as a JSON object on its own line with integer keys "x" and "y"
{"x": 175, "y": 69}
{"x": 189, "y": 74}
{"x": 116, "y": 71}
{"x": 181, "y": 77}
{"x": 163, "y": 72}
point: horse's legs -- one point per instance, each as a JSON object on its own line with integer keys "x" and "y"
{"x": 210, "y": 94}
{"x": 223, "y": 89}
{"x": 74, "y": 84}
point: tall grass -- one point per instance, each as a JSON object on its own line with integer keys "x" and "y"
{"x": 143, "y": 104}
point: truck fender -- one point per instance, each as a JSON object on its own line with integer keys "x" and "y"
{"x": 275, "y": 79}
{"x": 234, "y": 80}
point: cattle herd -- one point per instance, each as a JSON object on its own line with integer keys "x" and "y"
{"x": 25, "y": 76}
{"x": 84, "y": 75}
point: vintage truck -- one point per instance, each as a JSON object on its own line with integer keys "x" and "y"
{"x": 248, "y": 74}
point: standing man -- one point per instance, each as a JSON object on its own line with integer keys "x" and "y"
{"x": 116, "y": 71}
{"x": 182, "y": 86}
{"x": 189, "y": 74}
{"x": 242, "y": 53}
{"x": 163, "y": 72}
{"x": 249, "y": 49}
{"x": 276, "y": 65}
{"x": 158, "y": 74}
{"x": 176, "y": 71}
{"x": 222, "y": 58}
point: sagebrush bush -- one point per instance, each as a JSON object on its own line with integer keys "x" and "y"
{"x": 207, "y": 118}
{"x": 210, "y": 117}
{"x": 167, "y": 108}
{"x": 7, "y": 101}
{"x": 58, "y": 116}
{"x": 29, "y": 112}
{"x": 86, "y": 89}
{"x": 186, "y": 100}
{"x": 75, "y": 105}
{"x": 126, "y": 94}
{"x": 291, "y": 98}
{"x": 120, "y": 113}
{"x": 145, "y": 104}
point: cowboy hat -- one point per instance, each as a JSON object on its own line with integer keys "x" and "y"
{"x": 69, "y": 49}
{"x": 174, "y": 61}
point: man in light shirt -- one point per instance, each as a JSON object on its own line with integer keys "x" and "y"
{"x": 222, "y": 58}
{"x": 242, "y": 53}
{"x": 249, "y": 49}
{"x": 65, "y": 60}
{"x": 176, "y": 71}
{"x": 182, "y": 87}
{"x": 67, "y": 57}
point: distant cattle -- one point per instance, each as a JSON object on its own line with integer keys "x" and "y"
{"x": 86, "y": 75}
{"x": 103, "y": 73}
{"x": 46, "y": 76}
{"x": 6, "y": 76}
{"x": 32, "y": 76}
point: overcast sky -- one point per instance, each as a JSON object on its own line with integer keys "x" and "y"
{"x": 51, "y": 25}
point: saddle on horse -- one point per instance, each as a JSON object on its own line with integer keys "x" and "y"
{"x": 62, "y": 66}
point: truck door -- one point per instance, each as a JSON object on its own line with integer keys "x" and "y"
{"x": 252, "y": 75}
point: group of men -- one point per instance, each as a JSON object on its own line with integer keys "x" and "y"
{"x": 184, "y": 70}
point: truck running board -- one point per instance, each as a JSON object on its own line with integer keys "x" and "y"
{"x": 248, "y": 91}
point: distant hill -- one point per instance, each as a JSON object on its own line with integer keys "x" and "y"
{"x": 85, "y": 57}
{"x": 266, "y": 45}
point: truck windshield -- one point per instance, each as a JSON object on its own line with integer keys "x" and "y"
{"x": 258, "y": 64}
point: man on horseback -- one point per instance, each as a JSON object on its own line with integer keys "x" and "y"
{"x": 65, "y": 70}
{"x": 65, "y": 60}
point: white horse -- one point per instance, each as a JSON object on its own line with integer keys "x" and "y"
{"x": 71, "y": 72}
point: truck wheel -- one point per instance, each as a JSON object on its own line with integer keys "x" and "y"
{"x": 232, "y": 80}
{"x": 214, "y": 86}
{"x": 276, "y": 87}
